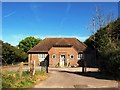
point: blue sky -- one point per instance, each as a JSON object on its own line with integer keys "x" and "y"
{"x": 49, "y": 19}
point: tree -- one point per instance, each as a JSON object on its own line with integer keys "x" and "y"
{"x": 99, "y": 21}
{"x": 107, "y": 40}
{"x": 11, "y": 54}
{"x": 99, "y": 37}
{"x": 27, "y": 43}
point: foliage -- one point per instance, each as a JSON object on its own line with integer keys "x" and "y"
{"x": 0, "y": 47}
{"x": 11, "y": 79}
{"x": 112, "y": 62}
{"x": 27, "y": 43}
{"x": 90, "y": 42}
{"x": 107, "y": 43}
{"x": 11, "y": 54}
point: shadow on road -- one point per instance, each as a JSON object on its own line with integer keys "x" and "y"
{"x": 94, "y": 74}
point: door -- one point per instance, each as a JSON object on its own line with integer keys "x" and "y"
{"x": 62, "y": 60}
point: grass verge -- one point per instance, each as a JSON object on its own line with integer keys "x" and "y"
{"x": 11, "y": 79}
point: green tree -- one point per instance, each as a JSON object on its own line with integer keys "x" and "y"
{"x": 107, "y": 44}
{"x": 27, "y": 43}
{"x": 11, "y": 54}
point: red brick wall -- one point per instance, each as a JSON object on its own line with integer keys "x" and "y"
{"x": 67, "y": 51}
{"x": 62, "y": 50}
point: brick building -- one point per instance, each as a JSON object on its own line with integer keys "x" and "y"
{"x": 58, "y": 52}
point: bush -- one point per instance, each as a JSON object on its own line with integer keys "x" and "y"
{"x": 111, "y": 63}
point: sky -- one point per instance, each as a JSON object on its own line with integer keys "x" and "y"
{"x": 50, "y": 19}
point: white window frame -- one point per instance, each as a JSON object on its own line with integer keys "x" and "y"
{"x": 72, "y": 55}
{"x": 53, "y": 55}
{"x": 80, "y": 56}
{"x": 41, "y": 56}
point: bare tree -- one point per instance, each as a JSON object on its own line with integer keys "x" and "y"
{"x": 99, "y": 21}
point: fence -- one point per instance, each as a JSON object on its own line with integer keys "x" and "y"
{"x": 23, "y": 66}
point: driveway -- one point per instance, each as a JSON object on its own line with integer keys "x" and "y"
{"x": 73, "y": 78}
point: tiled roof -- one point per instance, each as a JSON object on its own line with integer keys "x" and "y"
{"x": 46, "y": 44}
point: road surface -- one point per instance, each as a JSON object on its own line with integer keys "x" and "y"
{"x": 72, "y": 78}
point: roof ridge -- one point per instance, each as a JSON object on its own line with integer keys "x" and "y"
{"x": 47, "y": 43}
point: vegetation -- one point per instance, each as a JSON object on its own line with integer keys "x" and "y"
{"x": 14, "y": 54}
{"x": 0, "y": 47}
{"x": 11, "y": 54}
{"x": 106, "y": 42}
{"x": 11, "y": 79}
{"x": 27, "y": 43}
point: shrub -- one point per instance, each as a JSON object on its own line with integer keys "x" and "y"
{"x": 112, "y": 63}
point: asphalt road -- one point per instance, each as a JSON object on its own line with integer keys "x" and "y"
{"x": 73, "y": 78}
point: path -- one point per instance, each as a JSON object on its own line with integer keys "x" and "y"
{"x": 70, "y": 78}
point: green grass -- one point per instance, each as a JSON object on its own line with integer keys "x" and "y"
{"x": 11, "y": 79}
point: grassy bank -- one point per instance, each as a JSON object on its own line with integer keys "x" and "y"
{"x": 11, "y": 79}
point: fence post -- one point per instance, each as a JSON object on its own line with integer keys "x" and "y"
{"x": 32, "y": 68}
{"x": 21, "y": 67}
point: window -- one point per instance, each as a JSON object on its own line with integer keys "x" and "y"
{"x": 53, "y": 56}
{"x": 43, "y": 56}
{"x": 80, "y": 56}
{"x": 72, "y": 56}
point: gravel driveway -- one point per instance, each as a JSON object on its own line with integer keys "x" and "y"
{"x": 73, "y": 78}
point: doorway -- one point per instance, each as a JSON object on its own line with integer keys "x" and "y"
{"x": 62, "y": 60}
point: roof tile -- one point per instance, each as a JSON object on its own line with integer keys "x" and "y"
{"x": 46, "y": 44}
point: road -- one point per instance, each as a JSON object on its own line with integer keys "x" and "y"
{"x": 73, "y": 78}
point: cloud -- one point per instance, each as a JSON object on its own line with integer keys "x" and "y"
{"x": 8, "y": 14}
